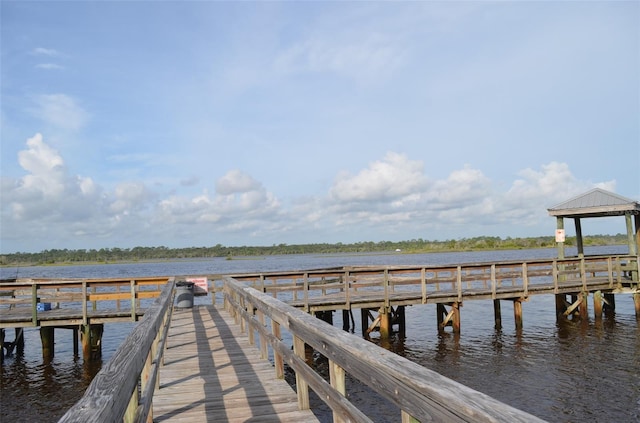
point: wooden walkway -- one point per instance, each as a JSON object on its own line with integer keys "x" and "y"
{"x": 212, "y": 374}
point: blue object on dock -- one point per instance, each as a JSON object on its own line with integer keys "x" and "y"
{"x": 43, "y": 306}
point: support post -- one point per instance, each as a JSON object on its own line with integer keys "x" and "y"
{"x": 402, "y": 321}
{"x": 364, "y": 322}
{"x": 456, "y": 317}
{"x": 609, "y": 303}
{"x": 302, "y": 387}
{"x": 91, "y": 337}
{"x": 19, "y": 341}
{"x": 560, "y": 244}
{"x": 1, "y": 345}
{"x": 579, "y": 241}
{"x": 441, "y": 313}
{"x": 47, "y": 336}
{"x": 597, "y": 305}
{"x": 583, "y": 307}
{"x": 345, "y": 321}
{"x": 517, "y": 313}
{"x": 497, "y": 313}
{"x": 385, "y": 323}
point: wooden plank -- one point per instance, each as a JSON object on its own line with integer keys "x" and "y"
{"x": 212, "y": 373}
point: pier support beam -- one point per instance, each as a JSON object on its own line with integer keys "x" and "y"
{"x": 400, "y": 319}
{"x": 497, "y": 314}
{"x": 517, "y": 313}
{"x": 451, "y": 318}
{"x": 597, "y": 305}
{"x": 609, "y": 303}
{"x": 583, "y": 308}
{"x": 345, "y": 321}
{"x": 47, "y": 336}
{"x": 385, "y": 323}
{"x": 91, "y": 338}
{"x": 1, "y": 345}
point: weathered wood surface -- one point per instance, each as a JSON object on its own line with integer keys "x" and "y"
{"x": 376, "y": 286}
{"x": 212, "y": 373}
{"x": 111, "y": 391}
{"x": 417, "y": 391}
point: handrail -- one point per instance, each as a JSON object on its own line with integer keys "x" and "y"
{"x": 113, "y": 394}
{"x": 418, "y": 392}
{"x": 26, "y": 302}
{"x": 442, "y": 283}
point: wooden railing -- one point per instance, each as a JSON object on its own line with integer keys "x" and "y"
{"x": 123, "y": 389}
{"x": 30, "y": 302}
{"x": 333, "y": 289}
{"x": 420, "y": 394}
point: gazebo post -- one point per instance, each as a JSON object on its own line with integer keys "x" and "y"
{"x": 633, "y": 250}
{"x": 560, "y": 244}
{"x": 579, "y": 242}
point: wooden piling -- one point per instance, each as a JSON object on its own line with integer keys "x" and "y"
{"x": 385, "y": 323}
{"x": 583, "y": 308}
{"x": 517, "y": 313}
{"x": 609, "y": 303}
{"x": 364, "y": 322}
{"x": 597, "y": 305}
{"x": 561, "y": 306}
{"x": 47, "y": 336}
{"x": 441, "y": 313}
{"x": 455, "y": 307}
{"x": 401, "y": 321}
{"x": 345, "y": 321}
{"x": 91, "y": 338}
{"x": 497, "y": 313}
{"x": 1, "y": 345}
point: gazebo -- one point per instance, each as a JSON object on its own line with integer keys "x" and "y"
{"x": 597, "y": 203}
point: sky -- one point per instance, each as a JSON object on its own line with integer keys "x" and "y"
{"x": 197, "y": 123}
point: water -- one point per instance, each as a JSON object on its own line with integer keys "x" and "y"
{"x": 578, "y": 371}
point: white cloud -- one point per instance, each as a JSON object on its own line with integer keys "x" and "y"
{"x": 362, "y": 57}
{"x": 41, "y": 51}
{"x": 392, "y": 198}
{"x": 61, "y": 111}
{"x": 236, "y": 181}
{"x": 49, "y": 66}
{"x": 391, "y": 179}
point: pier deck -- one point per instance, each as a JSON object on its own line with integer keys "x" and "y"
{"x": 212, "y": 373}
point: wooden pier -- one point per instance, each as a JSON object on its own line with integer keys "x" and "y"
{"x": 212, "y": 374}
{"x": 196, "y": 365}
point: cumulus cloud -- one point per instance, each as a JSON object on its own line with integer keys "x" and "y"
{"x": 391, "y": 179}
{"x": 391, "y": 197}
{"x": 61, "y": 111}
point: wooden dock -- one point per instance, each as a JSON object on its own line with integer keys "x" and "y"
{"x": 212, "y": 373}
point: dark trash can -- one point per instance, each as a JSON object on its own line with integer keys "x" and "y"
{"x": 184, "y": 294}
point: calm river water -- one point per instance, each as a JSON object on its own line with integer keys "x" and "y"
{"x": 574, "y": 372}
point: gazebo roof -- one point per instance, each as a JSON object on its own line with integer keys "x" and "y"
{"x": 596, "y": 203}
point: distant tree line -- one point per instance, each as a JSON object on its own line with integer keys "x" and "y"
{"x": 106, "y": 255}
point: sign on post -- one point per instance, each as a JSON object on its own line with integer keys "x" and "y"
{"x": 200, "y": 285}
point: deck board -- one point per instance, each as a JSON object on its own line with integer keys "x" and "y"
{"x": 212, "y": 373}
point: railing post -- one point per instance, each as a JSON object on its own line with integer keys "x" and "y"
{"x": 277, "y": 357}
{"x": 302, "y": 387}
{"x": 337, "y": 379}
{"x": 34, "y": 304}
{"x": 133, "y": 300}
{"x": 264, "y": 351}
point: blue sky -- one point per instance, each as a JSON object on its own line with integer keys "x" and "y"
{"x": 257, "y": 123}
